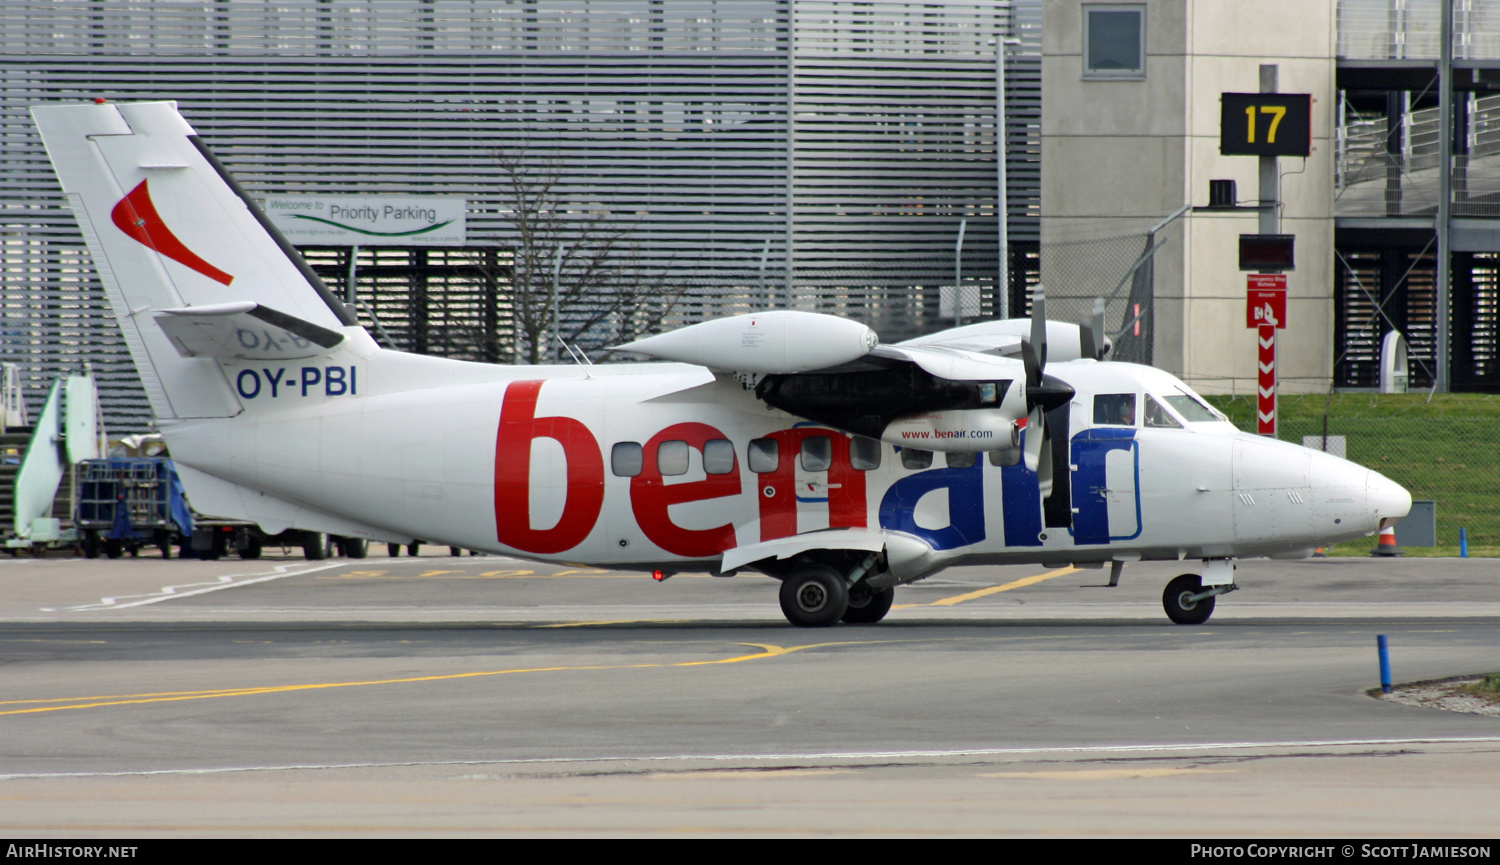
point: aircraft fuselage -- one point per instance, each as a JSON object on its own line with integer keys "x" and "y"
{"x": 626, "y": 466}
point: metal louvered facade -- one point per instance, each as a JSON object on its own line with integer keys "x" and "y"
{"x": 758, "y": 152}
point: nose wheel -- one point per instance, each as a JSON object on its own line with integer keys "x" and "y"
{"x": 1180, "y": 604}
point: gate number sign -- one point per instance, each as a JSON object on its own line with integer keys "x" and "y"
{"x": 1265, "y": 124}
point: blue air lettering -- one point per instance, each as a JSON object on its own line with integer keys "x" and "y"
{"x": 965, "y": 489}
{"x": 299, "y": 382}
{"x": 1021, "y": 498}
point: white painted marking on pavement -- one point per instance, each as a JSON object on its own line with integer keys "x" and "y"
{"x": 168, "y": 593}
{"x": 826, "y": 755}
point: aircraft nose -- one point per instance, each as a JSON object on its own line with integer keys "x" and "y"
{"x": 1389, "y": 501}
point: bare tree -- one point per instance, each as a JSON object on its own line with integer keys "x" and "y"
{"x": 577, "y": 272}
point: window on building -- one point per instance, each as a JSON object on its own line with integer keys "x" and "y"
{"x": 1114, "y": 41}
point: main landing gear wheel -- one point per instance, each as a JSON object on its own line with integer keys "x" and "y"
{"x": 814, "y": 596}
{"x": 868, "y": 606}
{"x": 1177, "y": 600}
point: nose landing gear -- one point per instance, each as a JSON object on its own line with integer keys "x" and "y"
{"x": 1187, "y": 602}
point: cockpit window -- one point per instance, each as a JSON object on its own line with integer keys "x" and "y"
{"x": 1114, "y": 409}
{"x": 1191, "y": 409}
{"x": 1157, "y": 416}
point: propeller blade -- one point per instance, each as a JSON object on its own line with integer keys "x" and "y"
{"x": 1044, "y": 464}
{"x": 1086, "y": 339}
{"x": 1091, "y": 332}
{"x": 1036, "y": 436}
{"x": 1033, "y": 367}
{"x": 1039, "y": 327}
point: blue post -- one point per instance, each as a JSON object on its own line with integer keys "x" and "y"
{"x": 1463, "y": 543}
{"x": 1385, "y": 664}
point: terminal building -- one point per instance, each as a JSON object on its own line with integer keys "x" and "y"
{"x": 1132, "y": 144}
{"x": 733, "y": 155}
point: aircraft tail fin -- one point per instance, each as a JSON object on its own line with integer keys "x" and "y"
{"x": 183, "y": 253}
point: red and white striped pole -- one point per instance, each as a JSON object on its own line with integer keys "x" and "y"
{"x": 1265, "y": 383}
{"x": 1265, "y": 312}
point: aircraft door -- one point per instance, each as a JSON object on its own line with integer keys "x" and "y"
{"x": 1106, "y": 488}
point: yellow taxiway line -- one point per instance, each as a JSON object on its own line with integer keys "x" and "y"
{"x": 765, "y": 650}
{"x": 1013, "y": 584}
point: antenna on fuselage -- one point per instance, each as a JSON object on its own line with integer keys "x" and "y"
{"x": 578, "y": 357}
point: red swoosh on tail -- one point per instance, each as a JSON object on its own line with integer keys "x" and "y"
{"x": 136, "y": 216}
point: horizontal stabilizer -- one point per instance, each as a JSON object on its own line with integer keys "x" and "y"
{"x": 244, "y": 330}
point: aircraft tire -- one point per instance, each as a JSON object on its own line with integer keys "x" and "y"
{"x": 315, "y": 546}
{"x": 354, "y": 548}
{"x": 867, "y": 607}
{"x": 1179, "y": 608}
{"x": 814, "y": 596}
{"x": 251, "y": 550}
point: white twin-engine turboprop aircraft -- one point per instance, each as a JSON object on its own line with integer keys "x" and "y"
{"x": 789, "y": 443}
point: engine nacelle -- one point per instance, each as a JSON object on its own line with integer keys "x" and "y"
{"x": 779, "y": 342}
{"x": 955, "y": 431}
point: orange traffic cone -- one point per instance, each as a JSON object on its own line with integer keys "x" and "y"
{"x": 1320, "y": 553}
{"x": 1387, "y": 545}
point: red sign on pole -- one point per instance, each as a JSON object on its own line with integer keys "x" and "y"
{"x": 1265, "y": 300}
{"x": 1265, "y": 311}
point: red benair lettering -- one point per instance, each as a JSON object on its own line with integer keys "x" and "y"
{"x": 778, "y": 499}
{"x": 650, "y": 497}
{"x": 519, "y": 427}
{"x": 136, "y": 215}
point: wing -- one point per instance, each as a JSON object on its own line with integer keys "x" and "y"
{"x": 956, "y": 391}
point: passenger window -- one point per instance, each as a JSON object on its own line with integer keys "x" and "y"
{"x": 718, "y": 456}
{"x": 1156, "y": 415}
{"x": 959, "y": 461}
{"x": 765, "y": 456}
{"x": 915, "y": 459}
{"x": 817, "y": 454}
{"x": 1114, "y": 409}
{"x": 1006, "y": 457}
{"x": 625, "y": 459}
{"x": 864, "y": 454}
{"x": 672, "y": 458}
